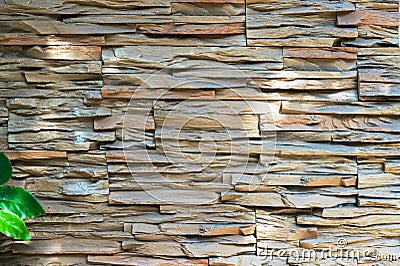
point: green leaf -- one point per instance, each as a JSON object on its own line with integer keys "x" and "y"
{"x": 13, "y": 226}
{"x": 5, "y": 169}
{"x": 20, "y": 202}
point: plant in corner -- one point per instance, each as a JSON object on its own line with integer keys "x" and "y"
{"x": 16, "y": 204}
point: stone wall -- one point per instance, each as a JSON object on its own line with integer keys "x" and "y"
{"x": 203, "y": 132}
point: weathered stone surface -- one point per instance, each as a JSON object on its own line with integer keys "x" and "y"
{"x": 293, "y": 32}
{"x": 72, "y": 189}
{"x": 347, "y": 95}
{"x": 176, "y": 40}
{"x": 334, "y": 122}
{"x": 130, "y": 259}
{"x": 378, "y": 75}
{"x": 24, "y": 106}
{"x": 240, "y": 260}
{"x": 251, "y": 126}
{"x": 222, "y": 211}
{"x": 364, "y": 137}
{"x": 369, "y": 18}
{"x": 43, "y": 57}
{"x": 315, "y": 85}
{"x": 274, "y": 199}
{"x": 77, "y": 90}
{"x": 156, "y": 168}
{"x": 298, "y": 7}
{"x": 373, "y": 83}
{"x": 160, "y": 248}
{"x": 134, "y": 180}
{"x": 385, "y": 203}
{"x": 87, "y": 159}
{"x": 181, "y": 57}
{"x": 321, "y": 53}
{"x": 67, "y": 246}
{"x": 392, "y": 166}
{"x": 388, "y": 5}
{"x": 131, "y": 121}
{"x": 8, "y": 77}
{"x": 172, "y": 29}
{"x": 211, "y": 122}
{"x": 12, "y": 259}
{"x": 201, "y": 79}
{"x": 244, "y": 146}
{"x": 32, "y": 39}
{"x": 206, "y": 229}
{"x": 163, "y": 196}
{"x": 38, "y": 77}
{"x": 36, "y": 123}
{"x": 372, "y": 175}
{"x": 56, "y": 67}
{"x": 187, "y": 217}
{"x": 129, "y": 93}
{"x": 169, "y": 186}
{"x": 35, "y": 155}
{"x": 60, "y": 28}
{"x": 378, "y": 91}
{"x": 281, "y": 227}
{"x": 75, "y": 233}
{"x": 296, "y": 42}
{"x": 157, "y": 157}
{"x": 391, "y": 192}
{"x": 369, "y": 108}
{"x": 350, "y": 211}
{"x": 162, "y": 19}
{"x": 270, "y": 179}
{"x": 89, "y": 53}
{"x": 320, "y": 149}
{"x": 98, "y": 7}
{"x": 58, "y": 140}
{"x": 215, "y": 107}
{"x": 72, "y": 219}
{"x": 198, "y": 135}
{"x": 359, "y": 221}
{"x": 296, "y": 23}
{"x": 314, "y": 165}
{"x": 318, "y": 64}
{"x": 64, "y": 207}
{"x": 375, "y": 36}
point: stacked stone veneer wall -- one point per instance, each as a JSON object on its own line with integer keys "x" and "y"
{"x": 321, "y": 147}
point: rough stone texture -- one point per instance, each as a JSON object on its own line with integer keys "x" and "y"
{"x": 203, "y": 132}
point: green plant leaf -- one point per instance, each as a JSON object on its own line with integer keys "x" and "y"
{"x": 20, "y": 202}
{"x": 11, "y": 225}
{"x": 5, "y": 169}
